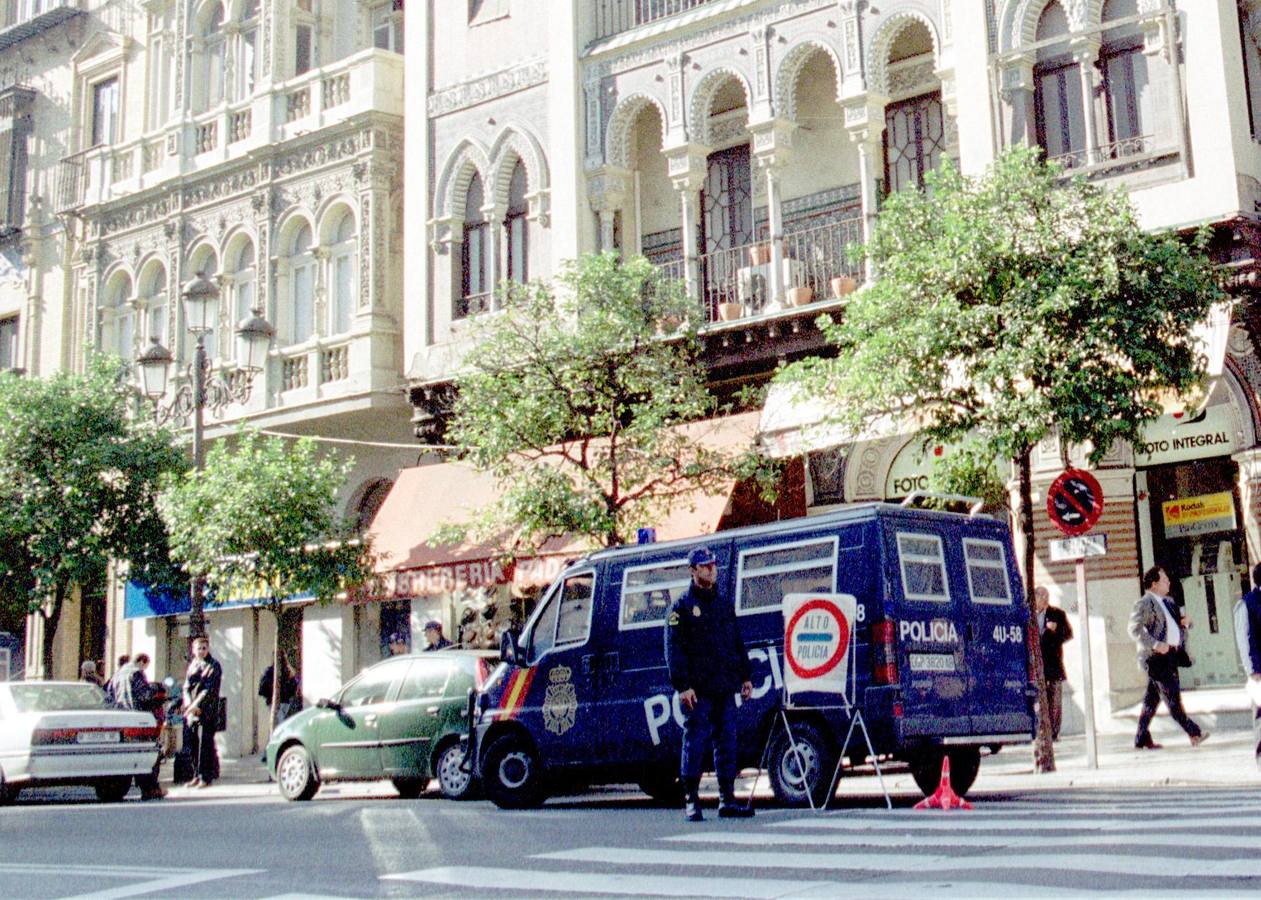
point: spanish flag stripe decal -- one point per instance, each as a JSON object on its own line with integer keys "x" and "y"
{"x": 517, "y": 691}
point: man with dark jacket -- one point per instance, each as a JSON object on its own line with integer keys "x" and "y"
{"x": 1248, "y": 638}
{"x": 1054, "y": 632}
{"x": 134, "y": 691}
{"x": 708, "y": 665}
{"x": 202, "y": 685}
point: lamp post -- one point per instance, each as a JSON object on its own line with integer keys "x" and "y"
{"x": 200, "y": 389}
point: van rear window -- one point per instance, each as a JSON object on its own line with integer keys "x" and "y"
{"x": 923, "y": 567}
{"x": 768, "y": 573}
{"x": 648, "y": 591}
{"x": 987, "y": 571}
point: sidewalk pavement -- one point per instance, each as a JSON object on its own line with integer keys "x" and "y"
{"x": 1225, "y": 760}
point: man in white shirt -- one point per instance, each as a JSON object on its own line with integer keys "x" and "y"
{"x": 1158, "y": 631}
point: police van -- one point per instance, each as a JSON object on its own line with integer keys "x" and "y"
{"x": 583, "y": 695}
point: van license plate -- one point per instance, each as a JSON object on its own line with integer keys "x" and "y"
{"x": 932, "y": 662}
{"x": 98, "y": 737}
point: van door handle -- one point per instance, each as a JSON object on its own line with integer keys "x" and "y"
{"x": 612, "y": 662}
{"x": 972, "y": 631}
{"x": 589, "y": 664}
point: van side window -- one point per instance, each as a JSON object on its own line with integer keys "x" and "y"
{"x": 566, "y": 618}
{"x": 923, "y": 567}
{"x": 768, "y": 573}
{"x": 648, "y": 591}
{"x": 987, "y": 571}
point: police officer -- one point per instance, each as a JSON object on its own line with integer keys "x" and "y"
{"x": 708, "y": 664}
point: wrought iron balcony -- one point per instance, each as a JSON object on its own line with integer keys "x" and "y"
{"x": 615, "y": 16}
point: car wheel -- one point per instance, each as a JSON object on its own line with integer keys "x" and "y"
{"x": 665, "y": 789}
{"x": 112, "y": 790}
{"x": 410, "y": 788}
{"x": 801, "y": 769}
{"x": 457, "y": 781}
{"x": 965, "y": 762}
{"x": 512, "y": 774}
{"x": 295, "y": 775}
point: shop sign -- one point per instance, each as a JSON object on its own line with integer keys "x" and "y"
{"x": 450, "y": 577}
{"x": 1177, "y": 438}
{"x": 909, "y": 470}
{"x": 1199, "y": 515}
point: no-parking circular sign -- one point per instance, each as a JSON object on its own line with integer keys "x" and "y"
{"x": 818, "y": 632}
{"x": 1074, "y": 502}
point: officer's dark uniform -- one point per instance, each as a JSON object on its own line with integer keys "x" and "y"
{"x": 705, "y": 653}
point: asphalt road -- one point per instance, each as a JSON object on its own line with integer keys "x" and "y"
{"x": 361, "y": 841}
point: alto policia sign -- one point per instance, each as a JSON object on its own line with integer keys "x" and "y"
{"x": 818, "y": 635}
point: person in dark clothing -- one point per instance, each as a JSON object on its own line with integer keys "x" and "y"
{"x": 1248, "y": 638}
{"x": 288, "y": 688}
{"x": 1055, "y": 632}
{"x": 134, "y": 691}
{"x": 708, "y": 664}
{"x": 1160, "y": 632}
{"x": 201, "y": 712}
{"x": 435, "y": 640}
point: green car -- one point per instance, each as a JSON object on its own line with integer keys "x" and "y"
{"x": 404, "y": 719}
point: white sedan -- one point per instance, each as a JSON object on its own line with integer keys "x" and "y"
{"x": 65, "y": 732}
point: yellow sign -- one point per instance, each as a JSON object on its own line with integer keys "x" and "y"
{"x": 1199, "y": 515}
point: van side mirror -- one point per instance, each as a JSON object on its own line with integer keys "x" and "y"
{"x": 509, "y": 652}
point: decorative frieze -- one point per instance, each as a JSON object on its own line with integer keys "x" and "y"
{"x": 488, "y": 87}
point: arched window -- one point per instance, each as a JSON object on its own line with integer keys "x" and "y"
{"x": 475, "y": 256}
{"x": 214, "y": 49}
{"x": 301, "y": 287}
{"x": 153, "y": 302}
{"x": 1126, "y": 86}
{"x": 246, "y": 56}
{"x": 117, "y": 321}
{"x": 342, "y": 276}
{"x": 516, "y": 227}
{"x": 242, "y": 278}
{"x": 1061, "y": 114}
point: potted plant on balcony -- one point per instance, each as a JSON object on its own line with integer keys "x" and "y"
{"x": 759, "y": 254}
{"x": 729, "y": 309}
{"x": 843, "y": 285}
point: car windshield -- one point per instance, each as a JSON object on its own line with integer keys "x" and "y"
{"x": 57, "y": 697}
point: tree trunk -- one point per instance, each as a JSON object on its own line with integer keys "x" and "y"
{"x": 276, "y": 674}
{"x": 1043, "y": 748}
{"x": 51, "y": 614}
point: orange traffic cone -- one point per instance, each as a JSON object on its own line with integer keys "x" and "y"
{"x": 944, "y": 797}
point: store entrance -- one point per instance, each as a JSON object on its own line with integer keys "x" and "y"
{"x": 1197, "y": 534}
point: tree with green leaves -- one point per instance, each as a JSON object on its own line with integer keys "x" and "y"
{"x": 572, "y": 397}
{"x": 79, "y": 479}
{"x": 259, "y": 524}
{"x": 1012, "y": 305}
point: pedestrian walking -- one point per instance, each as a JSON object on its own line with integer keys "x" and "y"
{"x": 1054, "y": 632}
{"x": 1248, "y": 638}
{"x": 434, "y": 637}
{"x": 1160, "y": 633}
{"x": 285, "y": 705}
{"x": 201, "y": 712}
{"x": 708, "y": 665}
{"x": 134, "y": 691}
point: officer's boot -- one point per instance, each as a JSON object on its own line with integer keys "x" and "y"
{"x": 692, "y": 796}
{"x": 728, "y": 806}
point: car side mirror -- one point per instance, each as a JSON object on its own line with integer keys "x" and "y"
{"x": 325, "y": 703}
{"x": 509, "y": 652}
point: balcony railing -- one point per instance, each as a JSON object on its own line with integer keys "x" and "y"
{"x": 615, "y": 16}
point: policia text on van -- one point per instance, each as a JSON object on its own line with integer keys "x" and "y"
{"x": 584, "y": 696}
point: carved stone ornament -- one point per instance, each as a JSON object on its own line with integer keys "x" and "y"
{"x": 488, "y": 87}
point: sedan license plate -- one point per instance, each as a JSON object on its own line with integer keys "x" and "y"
{"x": 98, "y": 737}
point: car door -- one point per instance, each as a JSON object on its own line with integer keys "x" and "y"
{"x": 410, "y": 724}
{"x": 348, "y": 732}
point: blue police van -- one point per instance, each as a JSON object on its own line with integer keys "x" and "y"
{"x": 583, "y": 695}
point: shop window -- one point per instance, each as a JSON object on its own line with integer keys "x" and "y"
{"x": 1058, "y": 103}
{"x": 474, "y": 254}
{"x": 105, "y": 112}
{"x": 516, "y": 227}
{"x": 9, "y": 344}
{"x": 766, "y": 574}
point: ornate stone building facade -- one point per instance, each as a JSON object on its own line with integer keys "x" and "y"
{"x": 746, "y": 145}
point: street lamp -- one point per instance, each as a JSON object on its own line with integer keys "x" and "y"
{"x": 200, "y": 389}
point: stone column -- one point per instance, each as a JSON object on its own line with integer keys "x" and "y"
{"x": 687, "y": 166}
{"x": 608, "y": 189}
{"x": 864, "y": 120}
{"x": 1086, "y": 53}
{"x": 1016, "y": 91}
{"x": 772, "y": 146}
{"x": 494, "y": 213}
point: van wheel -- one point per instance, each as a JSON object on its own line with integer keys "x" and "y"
{"x": 665, "y": 789}
{"x": 806, "y": 767}
{"x": 457, "y": 783}
{"x": 512, "y": 774}
{"x": 965, "y": 762}
{"x": 112, "y": 790}
{"x": 295, "y": 775}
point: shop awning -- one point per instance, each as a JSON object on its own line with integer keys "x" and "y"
{"x": 426, "y": 497}
{"x": 792, "y": 425}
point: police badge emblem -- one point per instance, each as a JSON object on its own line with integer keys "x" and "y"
{"x": 560, "y": 702}
{"x": 696, "y": 611}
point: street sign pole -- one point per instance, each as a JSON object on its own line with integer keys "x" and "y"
{"x": 1088, "y": 687}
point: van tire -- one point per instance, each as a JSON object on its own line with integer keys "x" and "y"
{"x": 784, "y": 767}
{"x": 666, "y": 790}
{"x": 512, "y": 774}
{"x": 965, "y": 763}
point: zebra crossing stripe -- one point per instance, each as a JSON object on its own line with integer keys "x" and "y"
{"x": 474, "y": 878}
{"x": 857, "y": 860}
{"x": 1181, "y": 840}
{"x": 953, "y": 822}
